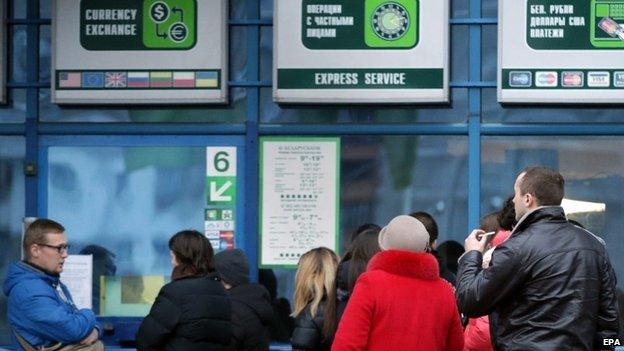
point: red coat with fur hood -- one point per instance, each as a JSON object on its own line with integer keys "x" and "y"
{"x": 400, "y": 303}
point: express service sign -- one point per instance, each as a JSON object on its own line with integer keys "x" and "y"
{"x": 140, "y": 51}
{"x": 372, "y": 51}
{"x": 561, "y": 51}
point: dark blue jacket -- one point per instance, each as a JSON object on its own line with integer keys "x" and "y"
{"x": 37, "y": 311}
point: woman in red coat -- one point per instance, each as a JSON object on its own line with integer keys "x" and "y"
{"x": 401, "y": 303}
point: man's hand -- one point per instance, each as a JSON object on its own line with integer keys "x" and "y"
{"x": 91, "y": 338}
{"x": 475, "y": 241}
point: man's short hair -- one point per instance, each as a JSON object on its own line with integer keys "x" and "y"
{"x": 543, "y": 183}
{"x": 430, "y": 224}
{"x": 36, "y": 233}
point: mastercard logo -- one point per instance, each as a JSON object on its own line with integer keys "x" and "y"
{"x": 572, "y": 79}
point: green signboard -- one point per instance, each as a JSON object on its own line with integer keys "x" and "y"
{"x": 123, "y": 52}
{"x": 369, "y": 51}
{"x": 561, "y": 51}
{"x": 575, "y": 25}
{"x": 372, "y": 24}
{"x": 138, "y": 24}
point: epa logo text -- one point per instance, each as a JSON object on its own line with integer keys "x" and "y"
{"x": 611, "y": 342}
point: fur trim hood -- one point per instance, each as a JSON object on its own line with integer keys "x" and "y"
{"x": 407, "y": 264}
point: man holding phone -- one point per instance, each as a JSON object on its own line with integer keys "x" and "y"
{"x": 551, "y": 285}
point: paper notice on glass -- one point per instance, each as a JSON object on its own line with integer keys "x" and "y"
{"x": 300, "y": 197}
{"x": 77, "y": 275}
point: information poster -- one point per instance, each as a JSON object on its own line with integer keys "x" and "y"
{"x": 219, "y": 219}
{"x": 300, "y": 182}
{"x": 139, "y": 52}
{"x": 371, "y": 51}
{"x": 77, "y": 276}
{"x": 561, "y": 51}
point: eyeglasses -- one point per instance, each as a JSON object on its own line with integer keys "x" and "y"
{"x": 60, "y": 248}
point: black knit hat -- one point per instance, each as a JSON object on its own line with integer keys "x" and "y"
{"x": 233, "y": 267}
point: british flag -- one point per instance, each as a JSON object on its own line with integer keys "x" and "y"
{"x": 116, "y": 80}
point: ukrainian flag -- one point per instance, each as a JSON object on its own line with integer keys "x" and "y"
{"x": 205, "y": 79}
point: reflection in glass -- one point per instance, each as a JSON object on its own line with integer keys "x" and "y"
{"x": 127, "y": 200}
{"x": 12, "y": 190}
{"x": 382, "y": 177}
{"x": 593, "y": 168}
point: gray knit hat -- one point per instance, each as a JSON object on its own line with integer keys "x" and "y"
{"x": 232, "y": 266}
{"x": 404, "y": 233}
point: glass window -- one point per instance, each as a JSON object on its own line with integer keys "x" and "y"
{"x": 593, "y": 168}
{"x": 12, "y": 190}
{"x": 15, "y": 110}
{"x": 489, "y": 53}
{"x": 274, "y": 113}
{"x": 489, "y": 8}
{"x": 18, "y": 8}
{"x": 384, "y": 176}
{"x": 493, "y": 112}
{"x": 128, "y": 202}
{"x": 45, "y": 8}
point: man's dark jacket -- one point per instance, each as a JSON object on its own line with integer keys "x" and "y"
{"x": 550, "y": 286}
{"x": 252, "y": 315}
{"x": 189, "y": 314}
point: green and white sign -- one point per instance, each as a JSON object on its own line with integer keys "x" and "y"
{"x": 561, "y": 51}
{"x": 372, "y": 51}
{"x": 300, "y": 197}
{"x": 138, "y": 25}
{"x": 139, "y": 52}
{"x": 221, "y": 175}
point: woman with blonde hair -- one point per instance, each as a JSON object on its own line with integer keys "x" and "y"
{"x": 313, "y": 283}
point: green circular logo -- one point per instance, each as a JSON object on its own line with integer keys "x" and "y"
{"x": 390, "y": 21}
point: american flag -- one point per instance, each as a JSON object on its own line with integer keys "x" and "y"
{"x": 69, "y": 80}
{"x": 116, "y": 80}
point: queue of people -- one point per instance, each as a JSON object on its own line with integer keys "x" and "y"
{"x": 529, "y": 279}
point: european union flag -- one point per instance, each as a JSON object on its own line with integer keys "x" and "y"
{"x": 93, "y": 79}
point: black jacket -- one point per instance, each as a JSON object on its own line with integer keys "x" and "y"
{"x": 252, "y": 314}
{"x": 550, "y": 286}
{"x": 342, "y": 288}
{"x": 445, "y": 272}
{"x": 189, "y": 314}
{"x": 308, "y": 331}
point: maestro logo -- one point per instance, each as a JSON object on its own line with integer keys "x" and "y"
{"x": 546, "y": 79}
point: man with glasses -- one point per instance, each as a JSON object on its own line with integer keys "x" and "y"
{"x": 40, "y": 308}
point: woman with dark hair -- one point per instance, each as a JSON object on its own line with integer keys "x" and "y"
{"x": 352, "y": 264}
{"x": 192, "y": 312}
